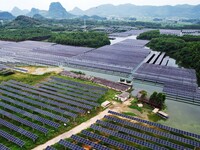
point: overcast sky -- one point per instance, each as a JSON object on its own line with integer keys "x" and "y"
{"x": 85, "y": 4}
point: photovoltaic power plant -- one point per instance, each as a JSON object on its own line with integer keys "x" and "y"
{"x": 119, "y": 131}
{"x": 119, "y": 59}
{"x": 27, "y": 111}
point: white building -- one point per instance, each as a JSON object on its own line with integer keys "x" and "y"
{"x": 106, "y": 104}
{"x": 124, "y": 96}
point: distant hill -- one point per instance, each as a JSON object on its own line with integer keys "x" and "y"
{"x": 77, "y": 11}
{"x": 6, "y": 16}
{"x": 35, "y": 11}
{"x": 94, "y": 17}
{"x": 57, "y": 11}
{"x": 130, "y": 10}
{"x": 38, "y": 17}
{"x": 17, "y": 12}
{"x": 24, "y": 21}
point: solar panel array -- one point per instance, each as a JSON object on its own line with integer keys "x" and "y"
{"x": 26, "y": 109}
{"x": 119, "y": 59}
{"x": 127, "y": 54}
{"x": 2, "y": 147}
{"x": 178, "y": 82}
{"x": 119, "y": 131}
{"x": 129, "y": 33}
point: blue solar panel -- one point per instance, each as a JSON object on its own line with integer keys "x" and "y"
{"x": 2, "y": 147}
{"x": 108, "y": 141}
{"x": 12, "y": 138}
{"x": 158, "y": 125}
{"x": 69, "y": 145}
{"x": 89, "y": 143}
{"x": 18, "y": 129}
{"x": 127, "y": 138}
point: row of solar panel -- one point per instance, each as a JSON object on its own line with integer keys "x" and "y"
{"x": 158, "y": 125}
{"x": 51, "y": 96}
{"x": 45, "y": 101}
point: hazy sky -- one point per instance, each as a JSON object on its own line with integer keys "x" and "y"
{"x": 85, "y": 4}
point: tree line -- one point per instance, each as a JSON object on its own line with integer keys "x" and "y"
{"x": 85, "y": 39}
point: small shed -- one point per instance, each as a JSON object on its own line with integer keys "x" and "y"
{"x": 124, "y": 96}
{"x": 163, "y": 114}
{"x": 106, "y": 104}
{"x": 140, "y": 105}
{"x": 155, "y": 111}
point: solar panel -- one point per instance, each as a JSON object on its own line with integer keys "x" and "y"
{"x": 35, "y": 109}
{"x": 39, "y": 98}
{"x": 50, "y": 148}
{"x": 42, "y": 105}
{"x": 158, "y": 125}
{"x": 18, "y": 129}
{"x": 2, "y": 147}
{"x": 70, "y": 94}
{"x": 73, "y": 97}
{"x": 140, "y": 135}
{"x": 11, "y": 138}
{"x": 127, "y": 138}
{"x": 68, "y": 88}
{"x": 57, "y": 98}
{"x": 23, "y": 121}
{"x": 107, "y": 140}
{"x": 69, "y": 145}
{"x": 89, "y": 143}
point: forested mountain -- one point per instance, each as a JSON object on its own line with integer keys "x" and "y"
{"x": 23, "y": 21}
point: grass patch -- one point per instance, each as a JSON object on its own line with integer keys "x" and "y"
{"x": 26, "y": 78}
{"x": 129, "y": 113}
{"x": 136, "y": 107}
{"x": 154, "y": 117}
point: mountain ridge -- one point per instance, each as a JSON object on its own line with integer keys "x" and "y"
{"x": 57, "y": 11}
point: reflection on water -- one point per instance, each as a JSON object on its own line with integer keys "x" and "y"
{"x": 119, "y": 39}
{"x": 183, "y": 116}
